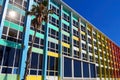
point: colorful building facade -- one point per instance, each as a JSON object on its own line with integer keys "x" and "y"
{"x": 68, "y": 47}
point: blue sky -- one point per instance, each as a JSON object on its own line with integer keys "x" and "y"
{"x": 104, "y": 14}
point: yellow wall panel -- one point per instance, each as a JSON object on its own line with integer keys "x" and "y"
{"x": 31, "y": 77}
{"x": 52, "y": 54}
{"x": 82, "y": 32}
{"x": 76, "y": 38}
{"x": 66, "y": 45}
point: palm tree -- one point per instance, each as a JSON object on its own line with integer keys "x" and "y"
{"x": 40, "y": 11}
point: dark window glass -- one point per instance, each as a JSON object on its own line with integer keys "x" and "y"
{"x": 52, "y": 60}
{"x": 5, "y": 30}
{"x": 1, "y": 53}
{"x": 77, "y": 68}
{"x": 17, "y": 58}
{"x": 9, "y": 56}
{"x": 33, "y": 72}
{"x": 34, "y": 60}
{"x": 67, "y": 67}
{"x": 40, "y": 61}
{"x": 92, "y": 70}
{"x": 12, "y": 32}
{"x": 85, "y": 70}
{"x": 6, "y": 70}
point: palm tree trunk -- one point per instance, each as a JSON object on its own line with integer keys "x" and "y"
{"x": 29, "y": 57}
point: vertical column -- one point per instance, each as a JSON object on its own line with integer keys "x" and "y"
{"x": 87, "y": 48}
{"x": 60, "y": 46}
{"x": 71, "y": 41}
{"x": 3, "y": 14}
{"x": 100, "y": 73}
{"x": 80, "y": 46}
{"x": 25, "y": 41}
{"x": 45, "y": 52}
{"x": 71, "y": 34}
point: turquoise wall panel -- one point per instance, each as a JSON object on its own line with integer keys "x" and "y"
{"x": 53, "y": 27}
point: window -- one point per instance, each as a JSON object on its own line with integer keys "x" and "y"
{"x": 84, "y": 56}
{"x": 90, "y": 49}
{"x": 10, "y": 58}
{"x": 89, "y": 33}
{"x": 68, "y": 67}
{"x": 96, "y": 59}
{"x": 52, "y": 47}
{"x": 89, "y": 41}
{"x": 83, "y": 37}
{"x": 1, "y": 53}
{"x": 77, "y": 68}
{"x": 85, "y": 70}
{"x": 19, "y": 18}
{"x": 92, "y": 70}
{"x": 19, "y": 3}
{"x": 54, "y": 21}
{"x": 55, "y": 9}
{"x": 98, "y": 71}
{"x": 76, "y": 54}
{"x": 95, "y": 36}
{"x": 96, "y": 52}
{"x": 65, "y": 27}
{"x": 65, "y": 17}
{"x": 38, "y": 43}
{"x": 52, "y": 66}
{"x": 75, "y": 23}
{"x": 76, "y": 43}
{"x": 82, "y": 28}
{"x": 95, "y": 43}
{"x": 65, "y": 51}
{"x": 53, "y": 33}
{"x": 91, "y": 58}
{"x": 75, "y": 33}
{"x": 36, "y": 64}
{"x": 84, "y": 46}
{"x": 65, "y": 38}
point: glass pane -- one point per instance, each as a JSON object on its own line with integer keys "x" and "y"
{"x": 77, "y": 68}
{"x": 85, "y": 69}
{"x": 92, "y": 69}
{"x": 1, "y": 53}
{"x": 67, "y": 67}
{"x": 34, "y": 60}
{"x": 9, "y": 56}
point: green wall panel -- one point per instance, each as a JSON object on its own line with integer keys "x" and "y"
{"x": 75, "y": 28}
{"x": 37, "y": 50}
{"x": 18, "y": 10}
{"x": 53, "y": 27}
{"x": 65, "y": 22}
{"x": 74, "y": 18}
{"x": 52, "y": 40}
{"x": 65, "y": 12}
{"x": 39, "y": 35}
{"x": 13, "y": 25}
{"x": 55, "y": 16}
{"x": 9, "y": 43}
{"x": 9, "y": 77}
{"x": 65, "y": 33}
{"x": 54, "y": 4}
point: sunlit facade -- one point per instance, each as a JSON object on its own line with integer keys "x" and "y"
{"x": 68, "y": 47}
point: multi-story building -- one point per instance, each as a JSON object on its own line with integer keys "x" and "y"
{"x": 68, "y": 47}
